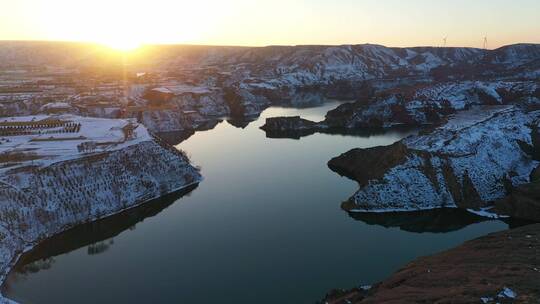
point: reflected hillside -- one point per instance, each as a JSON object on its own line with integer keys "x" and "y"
{"x": 96, "y": 235}
{"x": 366, "y": 132}
{"x": 176, "y": 137}
{"x": 242, "y": 122}
{"x": 433, "y": 221}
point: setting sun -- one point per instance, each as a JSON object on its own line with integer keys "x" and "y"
{"x": 119, "y": 24}
{"x": 243, "y": 22}
{"x": 123, "y": 44}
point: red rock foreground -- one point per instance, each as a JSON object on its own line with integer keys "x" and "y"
{"x": 502, "y": 267}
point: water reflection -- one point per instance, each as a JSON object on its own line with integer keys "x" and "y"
{"x": 242, "y": 122}
{"x": 264, "y": 227}
{"x": 433, "y": 221}
{"x": 307, "y": 104}
{"x": 98, "y": 236}
{"x": 365, "y": 132}
{"x": 175, "y": 137}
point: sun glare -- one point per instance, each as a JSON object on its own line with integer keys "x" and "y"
{"x": 123, "y": 45}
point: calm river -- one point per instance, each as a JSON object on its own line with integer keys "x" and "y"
{"x": 265, "y": 226}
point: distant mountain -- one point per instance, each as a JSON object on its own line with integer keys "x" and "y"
{"x": 514, "y": 55}
{"x": 309, "y": 63}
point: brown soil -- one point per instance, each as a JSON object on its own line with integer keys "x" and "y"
{"x": 523, "y": 202}
{"x": 480, "y": 268}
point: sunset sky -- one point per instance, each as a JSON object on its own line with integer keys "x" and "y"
{"x": 287, "y": 22}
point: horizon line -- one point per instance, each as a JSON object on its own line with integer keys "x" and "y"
{"x": 261, "y": 46}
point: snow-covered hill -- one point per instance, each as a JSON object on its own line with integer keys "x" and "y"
{"x": 429, "y": 104}
{"x": 100, "y": 168}
{"x": 469, "y": 162}
{"x": 293, "y": 64}
{"x": 311, "y": 64}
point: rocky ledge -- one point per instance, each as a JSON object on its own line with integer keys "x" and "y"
{"x": 477, "y": 158}
{"x": 99, "y": 167}
{"x": 503, "y": 267}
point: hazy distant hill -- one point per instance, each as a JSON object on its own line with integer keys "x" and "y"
{"x": 360, "y": 61}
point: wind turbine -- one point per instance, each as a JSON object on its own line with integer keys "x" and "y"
{"x": 444, "y": 41}
{"x": 485, "y": 42}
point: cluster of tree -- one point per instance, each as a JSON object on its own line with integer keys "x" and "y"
{"x": 39, "y": 128}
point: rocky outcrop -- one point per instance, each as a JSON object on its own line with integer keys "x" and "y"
{"x": 277, "y": 124}
{"x": 468, "y": 163}
{"x": 503, "y": 267}
{"x": 290, "y": 127}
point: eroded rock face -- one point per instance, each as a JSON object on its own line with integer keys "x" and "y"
{"x": 503, "y": 267}
{"x": 466, "y": 163}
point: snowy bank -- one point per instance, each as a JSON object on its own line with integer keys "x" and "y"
{"x": 99, "y": 168}
{"x": 469, "y": 162}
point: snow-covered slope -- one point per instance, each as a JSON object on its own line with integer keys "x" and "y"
{"x": 467, "y": 163}
{"x": 428, "y": 104}
{"x": 316, "y": 65}
{"x": 47, "y": 194}
{"x": 514, "y": 55}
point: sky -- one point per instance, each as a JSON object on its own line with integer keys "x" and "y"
{"x": 273, "y": 22}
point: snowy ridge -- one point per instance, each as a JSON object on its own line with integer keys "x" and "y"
{"x": 514, "y": 55}
{"x": 315, "y": 65}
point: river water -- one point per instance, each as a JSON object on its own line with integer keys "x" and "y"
{"x": 265, "y": 226}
